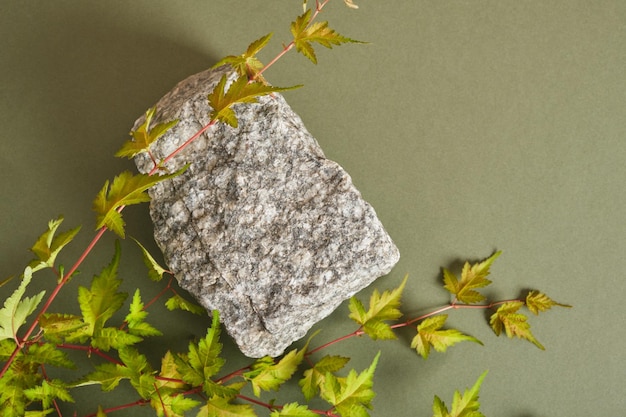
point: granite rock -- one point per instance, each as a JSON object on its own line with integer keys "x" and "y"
{"x": 261, "y": 226}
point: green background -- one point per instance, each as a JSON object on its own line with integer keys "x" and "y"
{"x": 470, "y": 126}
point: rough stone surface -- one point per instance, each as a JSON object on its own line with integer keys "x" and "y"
{"x": 261, "y": 227}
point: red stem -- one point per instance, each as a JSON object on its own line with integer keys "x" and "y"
{"x": 121, "y": 407}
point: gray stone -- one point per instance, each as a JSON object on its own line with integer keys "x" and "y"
{"x": 261, "y": 227}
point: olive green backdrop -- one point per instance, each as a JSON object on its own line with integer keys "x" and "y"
{"x": 471, "y": 126}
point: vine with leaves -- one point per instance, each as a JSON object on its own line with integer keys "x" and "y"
{"x": 192, "y": 381}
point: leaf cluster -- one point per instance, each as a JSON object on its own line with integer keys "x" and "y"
{"x": 384, "y": 309}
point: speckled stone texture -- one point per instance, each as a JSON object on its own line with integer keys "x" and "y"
{"x": 261, "y": 227}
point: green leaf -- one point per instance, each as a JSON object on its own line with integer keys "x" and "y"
{"x": 136, "y": 318}
{"x": 48, "y": 354}
{"x": 351, "y": 396}
{"x": 16, "y": 310}
{"x": 102, "y": 300}
{"x": 203, "y": 358}
{"x": 169, "y": 371}
{"x": 174, "y": 405}
{"x": 315, "y": 377}
{"x": 56, "y": 327}
{"x": 247, "y": 63}
{"x": 472, "y": 277}
{"x": 305, "y": 32}
{"x": 429, "y": 334}
{"x": 293, "y": 410}
{"x": 513, "y": 323}
{"x": 222, "y": 407}
{"x": 126, "y": 189}
{"x": 177, "y": 302}
{"x": 241, "y": 90}
{"x": 538, "y": 302}
{"x": 155, "y": 271}
{"x": 138, "y": 370}
{"x": 107, "y": 374}
{"x": 48, "y": 246}
{"x": 49, "y": 391}
{"x": 144, "y": 136}
{"x": 465, "y": 405}
{"x": 41, "y": 413}
{"x": 382, "y": 307}
{"x": 266, "y": 374}
{"x": 113, "y": 338}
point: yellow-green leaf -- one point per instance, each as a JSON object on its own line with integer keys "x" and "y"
{"x": 538, "y": 302}
{"x": 99, "y": 302}
{"x": 472, "y": 276}
{"x": 293, "y": 410}
{"x": 305, "y": 32}
{"x": 242, "y": 90}
{"x": 315, "y": 377}
{"x": 352, "y": 395}
{"x": 126, "y": 189}
{"x": 513, "y": 323}
{"x": 144, "y": 136}
{"x": 155, "y": 271}
{"x": 48, "y": 245}
{"x": 176, "y": 302}
{"x": 247, "y": 63}
{"x": 266, "y": 374}
{"x": 222, "y": 407}
{"x": 465, "y": 405}
{"x": 429, "y": 334}
{"x": 382, "y": 307}
{"x": 17, "y": 309}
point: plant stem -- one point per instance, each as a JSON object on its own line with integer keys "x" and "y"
{"x": 318, "y": 8}
{"x": 51, "y": 298}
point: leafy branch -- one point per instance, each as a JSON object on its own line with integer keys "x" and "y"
{"x": 190, "y": 381}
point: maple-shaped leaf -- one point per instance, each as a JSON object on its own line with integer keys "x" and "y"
{"x": 144, "y": 136}
{"x": 267, "y": 374}
{"x": 99, "y": 302}
{"x": 305, "y": 32}
{"x": 17, "y": 309}
{"x": 465, "y": 405}
{"x": 429, "y": 334}
{"x": 472, "y": 277}
{"x": 56, "y": 326}
{"x": 12, "y": 398}
{"x": 49, "y": 391}
{"x": 382, "y": 307}
{"x": 242, "y": 90}
{"x": 538, "y": 302}
{"x": 113, "y": 338}
{"x": 108, "y": 375}
{"x": 247, "y": 63}
{"x": 155, "y": 271}
{"x": 223, "y": 407}
{"x": 49, "y": 354}
{"x": 176, "y": 302}
{"x": 171, "y": 378}
{"x": 353, "y": 395}
{"x": 203, "y": 358}
{"x": 136, "y": 318}
{"x": 172, "y": 405}
{"x": 48, "y": 246}
{"x": 293, "y": 410}
{"x": 314, "y": 377}
{"x": 126, "y": 189}
{"x": 513, "y": 323}
{"x": 137, "y": 369}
